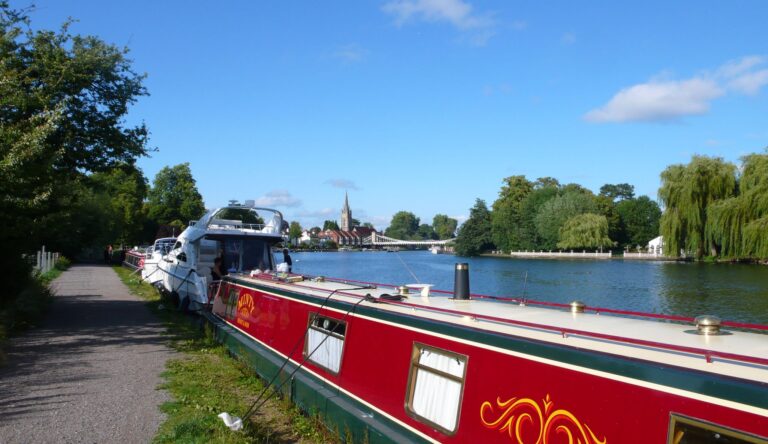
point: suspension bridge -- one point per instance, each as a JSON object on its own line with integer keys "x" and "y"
{"x": 379, "y": 240}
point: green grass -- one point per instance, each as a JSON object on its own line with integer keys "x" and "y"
{"x": 205, "y": 381}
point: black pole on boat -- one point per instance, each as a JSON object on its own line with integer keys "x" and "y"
{"x": 461, "y": 282}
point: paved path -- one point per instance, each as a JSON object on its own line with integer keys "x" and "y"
{"x": 90, "y": 373}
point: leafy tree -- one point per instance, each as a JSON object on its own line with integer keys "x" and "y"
{"x": 546, "y": 182}
{"x": 354, "y": 223}
{"x": 640, "y": 218}
{"x": 174, "y": 196}
{"x": 330, "y": 225}
{"x": 445, "y": 227}
{"x": 63, "y": 101}
{"x": 426, "y": 232}
{"x": 126, "y": 188}
{"x": 735, "y": 224}
{"x": 404, "y": 226}
{"x": 475, "y": 234}
{"x": 686, "y": 192}
{"x": 294, "y": 232}
{"x": 555, "y": 212}
{"x": 619, "y": 191}
{"x": 529, "y": 209}
{"x": 585, "y": 230}
{"x": 616, "y": 229}
{"x": 506, "y": 218}
{"x": 368, "y": 225}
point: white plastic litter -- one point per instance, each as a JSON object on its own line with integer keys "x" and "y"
{"x": 233, "y": 422}
{"x": 282, "y": 267}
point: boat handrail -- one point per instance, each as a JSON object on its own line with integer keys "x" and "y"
{"x": 596, "y": 310}
{"x": 564, "y": 331}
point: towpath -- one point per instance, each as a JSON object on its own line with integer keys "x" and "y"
{"x": 90, "y": 373}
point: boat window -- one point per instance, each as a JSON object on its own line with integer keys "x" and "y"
{"x": 325, "y": 342}
{"x": 243, "y": 255}
{"x": 234, "y": 294}
{"x": 684, "y": 430}
{"x": 435, "y": 386}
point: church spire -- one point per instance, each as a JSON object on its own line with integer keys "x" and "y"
{"x": 346, "y": 214}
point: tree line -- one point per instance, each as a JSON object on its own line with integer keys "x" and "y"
{"x": 68, "y": 175}
{"x": 715, "y": 209}
{"x": 546, "y": 215}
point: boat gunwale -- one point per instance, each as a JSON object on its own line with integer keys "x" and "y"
{"x": 708, "y": 355}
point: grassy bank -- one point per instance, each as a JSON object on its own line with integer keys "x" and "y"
{"x": 205, "y": 380}
{"x": 26, "y": 310}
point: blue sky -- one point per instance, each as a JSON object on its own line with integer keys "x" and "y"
{"x": 425, "y": 105}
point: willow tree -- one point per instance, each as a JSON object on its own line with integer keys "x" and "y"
{"x": 737, "y": 223}
{"x": 686, "y": 192}
{"x": 586, "y": 230}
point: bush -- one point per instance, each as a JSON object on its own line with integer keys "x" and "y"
{"x": 62, "y": 263}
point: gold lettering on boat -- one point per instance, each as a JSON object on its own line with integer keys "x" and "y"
{"x": 524, "y": 420}
{"x": 245, "y": 308}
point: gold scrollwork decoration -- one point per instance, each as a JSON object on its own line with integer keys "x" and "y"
{"x": 524, "y": 420}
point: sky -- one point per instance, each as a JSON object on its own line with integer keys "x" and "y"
{"x": 426, "y": 105}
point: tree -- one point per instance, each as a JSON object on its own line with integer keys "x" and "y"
{"x": 475, "y": 234}
{"x": 620, "y": 191}
{"x": 404, "y": 226}
{"x": 686, "y": 192}
{"x": 586, "y": 230}
{"x": 736, "y": 224}
{"x": 174, "y": 196}
{"x": 63, "y": 101}
{"x": 126, "y": 188}
{"x": 640, "y": 219}
{"x": 554, "y": 213}
{"x": 506, "y": 218}
{"x": 445, "y": 227}
{"x": 426, "y": 232}
{"x": 368, "y": 225}
{"x": 294, "y": 232}
{"x": 529, "y": 209}
{"x": 616, "y": 229}
{"x": 330, "y": 225}
{"x": 354, "y": 223}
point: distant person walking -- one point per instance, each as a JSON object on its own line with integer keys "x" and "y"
{"x": 108, "y": 254}
{"x": 287, "y": 259}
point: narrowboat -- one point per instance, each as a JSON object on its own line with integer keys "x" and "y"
{"x": 385, "y": 363}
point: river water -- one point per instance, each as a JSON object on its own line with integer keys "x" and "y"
{"x": 735, "y": 292}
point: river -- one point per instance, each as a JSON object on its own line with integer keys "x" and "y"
{"x": 735, "y": 292}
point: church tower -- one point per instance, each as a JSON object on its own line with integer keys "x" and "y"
{"x": 346, "y": 215}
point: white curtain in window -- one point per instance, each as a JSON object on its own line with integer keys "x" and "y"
{"x": 436, "y": 397}
{"x": 329, "y": 353}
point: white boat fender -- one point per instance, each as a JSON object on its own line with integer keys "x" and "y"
{"x": 233, "y": 422}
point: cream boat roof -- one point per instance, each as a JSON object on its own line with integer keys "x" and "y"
{"x": 673, "y": 334}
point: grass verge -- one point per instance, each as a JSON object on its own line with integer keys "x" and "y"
{"x": 205, "y": 381}
{"x": 27, "y": 309}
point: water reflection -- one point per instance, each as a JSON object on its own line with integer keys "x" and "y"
{"x": 733, "y": 292}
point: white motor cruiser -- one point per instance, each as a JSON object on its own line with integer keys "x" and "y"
{"x": 242, "y": 236}
{"x": 152, "y": 257}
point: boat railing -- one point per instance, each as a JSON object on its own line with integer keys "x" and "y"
{"x": 565, "y": 332}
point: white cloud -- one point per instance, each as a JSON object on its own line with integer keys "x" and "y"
{"x": 456, "y": 12}
{"x": 661, "y": 99}
{"x": 519, "y": 25}
{"x": 351, "y": 53}
{"x": 658, "y": 101}
{"x": 278, "y": 198}
{"x": 749, "y": 83}
{"x": 323, "y": 213}
{"x": 568, "y": 39}
{"x": 341, "y": 183}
